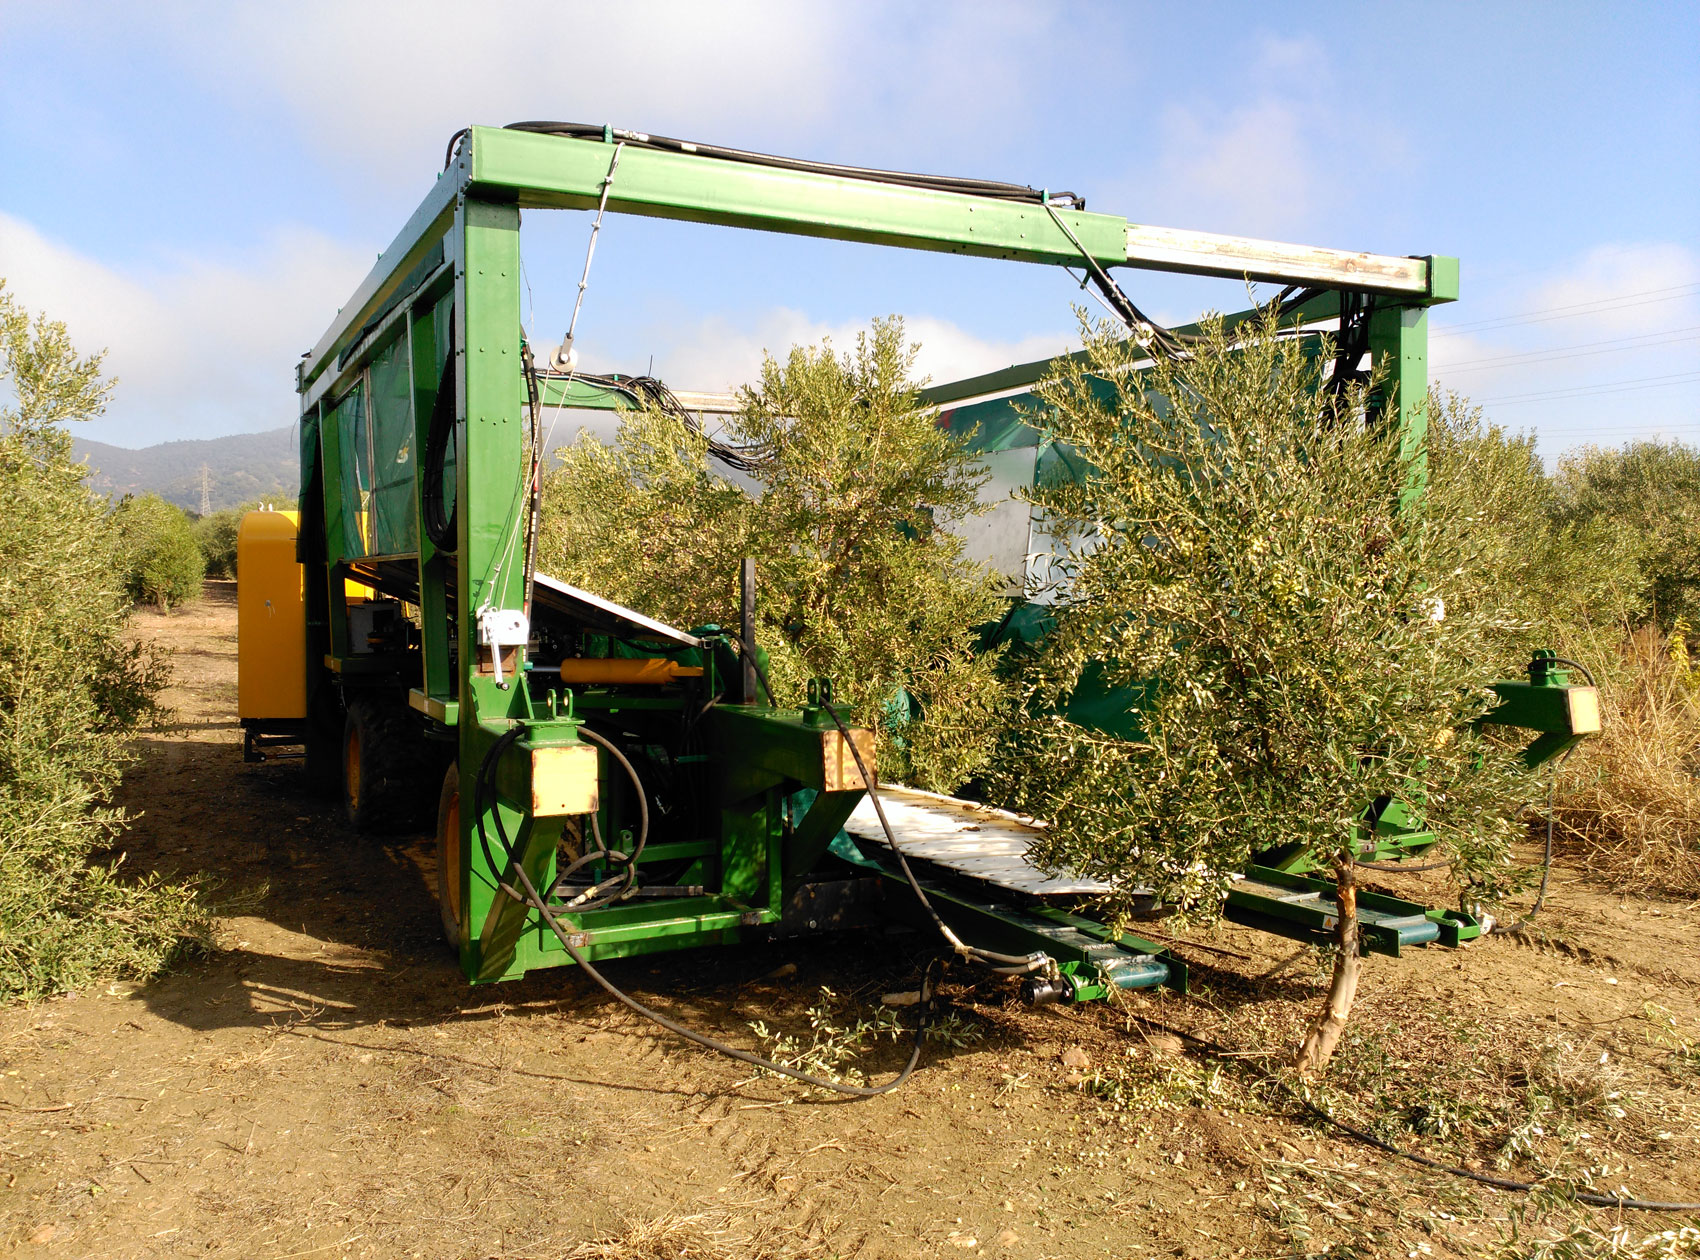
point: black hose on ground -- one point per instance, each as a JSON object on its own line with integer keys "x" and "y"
{"x": 528, "y": 893}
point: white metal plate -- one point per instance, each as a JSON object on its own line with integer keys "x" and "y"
{"x": 982, "y": 843}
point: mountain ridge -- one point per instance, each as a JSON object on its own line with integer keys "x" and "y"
{"x": 241, "y": 468}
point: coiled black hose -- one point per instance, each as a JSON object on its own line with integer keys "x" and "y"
{"x": 441, "y": 523}
{"x": 527, "y": 892}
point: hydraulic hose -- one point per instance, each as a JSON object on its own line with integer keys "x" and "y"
{"x": 1003, "y": 964}
{"x": 595, "y": 896}
{"x": 1552, "y": 802}
{"x": 599, "y": 894}
{"x": 528, "y": 893}
{"x": 440, "y": 523}
{"x": 940, "y": 183}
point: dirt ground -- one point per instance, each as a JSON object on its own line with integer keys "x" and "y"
{"x": 327, "y": 1084}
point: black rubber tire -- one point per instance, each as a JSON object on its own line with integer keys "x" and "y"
{"x": 449, "y": 859}
{"x": 385, "y": 768}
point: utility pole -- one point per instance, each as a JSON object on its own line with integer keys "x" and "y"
{"x": 206, "y": 491}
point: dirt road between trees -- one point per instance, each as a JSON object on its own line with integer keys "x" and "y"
{"x": 326, "y": 1084}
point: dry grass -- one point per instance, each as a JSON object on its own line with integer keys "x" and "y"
{"x": 1630, "y": 798}
{"x": 717, "y": 1237}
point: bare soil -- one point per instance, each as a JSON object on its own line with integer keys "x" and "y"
{"x": 327, "y": 1084}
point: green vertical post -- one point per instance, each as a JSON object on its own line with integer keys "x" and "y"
{"x": 1398, "y": 343}
{"x": 745, "y": 865}
{"x": 491, "y": 496}
{"x": 336, "y": 531}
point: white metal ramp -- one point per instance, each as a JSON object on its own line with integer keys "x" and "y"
{"x": 982, "y": 843}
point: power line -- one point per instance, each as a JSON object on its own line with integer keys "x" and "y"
{"x": 1588, "y": 391}
{"x": 1642, "y": 297}
{"x": 1583, "y": 350}
{"x": 1683, "y": 426}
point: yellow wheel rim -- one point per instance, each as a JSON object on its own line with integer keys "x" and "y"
{"x": 352, "y": 768}
{"x": 450, "y": 841}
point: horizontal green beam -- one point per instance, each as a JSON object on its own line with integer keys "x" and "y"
{"x": 759, "y": 747}
{"x": 558, "y": 172}
{"x": 543, "y": 171}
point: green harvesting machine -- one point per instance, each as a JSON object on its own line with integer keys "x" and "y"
{"x": 605, "y": 785}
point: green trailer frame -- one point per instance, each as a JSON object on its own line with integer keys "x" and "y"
{"x": 448, "y": 289}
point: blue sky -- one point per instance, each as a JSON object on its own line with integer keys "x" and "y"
{"x": 199, "y": 187}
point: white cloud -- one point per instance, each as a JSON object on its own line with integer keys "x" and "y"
{"x": 1261, "y": 167}
{"x": 200, "y": 347}
{"x": 715, "y": 354}
{"x": 1250, "y": 170}
{"x": 375, "y": 88}
{"x": 1585, "y": 355}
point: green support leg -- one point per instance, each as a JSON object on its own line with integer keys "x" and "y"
{"x": 490, "y": 556}
{"x": 1398, "y": 343}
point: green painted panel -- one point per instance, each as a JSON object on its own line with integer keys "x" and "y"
{"x": 429, "y": 335}
{"x": 1442, "y": 278}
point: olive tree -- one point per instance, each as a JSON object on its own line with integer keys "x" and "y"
{"x": 861, "y": 578}
{"x": 1561, "y": 573}
{"x": 164, "y": 560}
{"x": 1310, "y": 635}
{"x": 74, "y": 685}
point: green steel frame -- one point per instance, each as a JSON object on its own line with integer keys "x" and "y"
{"x": 462, "y": 243}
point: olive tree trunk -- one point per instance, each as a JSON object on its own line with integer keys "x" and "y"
{"x": 1324, "y": 1034}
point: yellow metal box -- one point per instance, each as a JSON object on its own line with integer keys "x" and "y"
{"x": 271, "y": 619}
{"x": 563, "y": 780}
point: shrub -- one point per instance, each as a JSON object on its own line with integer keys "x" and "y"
{"x": 860, "y": 578}
{"x": 216, "y": 537}
{"x": 1560, "y": 573}
{"x": 1591, "y": 558}
{"x": 1652, "y": 489}
{"x": 1305, "y": 644}
{"x": 72, "y": 687}
{"x": 162, "y": 558}
{"x": 1631, "y": 802}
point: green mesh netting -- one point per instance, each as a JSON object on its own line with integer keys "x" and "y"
{"x": 394, "y": 528}
{"x": 355, "y": 439}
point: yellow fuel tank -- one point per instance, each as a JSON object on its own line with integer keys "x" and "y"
{"x": 271, "y": 619}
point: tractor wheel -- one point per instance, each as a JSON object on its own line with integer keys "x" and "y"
{"x": 384, "y": 763}
{"x": 449, "y": 857}
{"x": 323, "y": 739}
